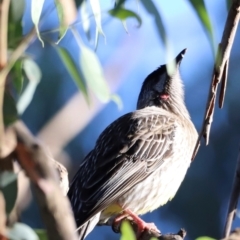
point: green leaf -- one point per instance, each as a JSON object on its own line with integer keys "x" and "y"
{"x": 34, "y": 75}
{"x": 123, "y": 14}
{"x": 85, "y": 17}
{"x": 127, "y": 232}
{"x": 97, "y": 16}
{"x": 10, "y": 114}
{"x": 199, "y": 7}
{"x": 21, "y": 231}
{"x": 93, "y": 73}
{"x": 36, "y": 10}
{"x": 62, "y": 23}
{"x": 151, "y": 9}
{"x": 73, "y": 71}
{"x": 9, "y": 188}
{"x": 16, "y": 76}
{"x": 42, "y": 234}
{"x": 15, "y": 23}
{"x": 205, "y": 238}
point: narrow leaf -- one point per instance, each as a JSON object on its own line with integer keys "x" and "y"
{"x": 21, "y": 231}
{"x": 34, "y": 75}
{"x": 151, "y": 9}
{"x": 123, "y": 14}
{"x": 8, "y": 186}
{"x": 10, "y": 114}
{"x": 73, "y": 71}
{"x": 85, "y": 17}
{"x": 36, "y": 9}
{"x": 199, "y": 7}
{"x": 16, "y": 76}
{"x": 15, "y": 23}
{"x": 93, "y": 73}
{"x": 42, "y": 234}
{"x": 97, "y": 16}
{"x": 62, "y": 25}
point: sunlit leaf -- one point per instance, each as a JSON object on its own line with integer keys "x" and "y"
{"x": 123, "y": 14}
{"x": 93, "y": 73}
{"x": 97, "y": 16}
{"x": 117, "y": 100}
{"x": 62, "y": 24}
{"x": 36, "y": 9}
{"x": 73, "y": 70}
{"x": 205, "y": 238}
{"x": 34, "y": 75}
{"x": 199, "y": 7}
{"x": 127, "y": 232}
{"x": 42, "y": 234}
{"x": 85, "y": 17}
{"x": 10, "y": 114}
{"x": 151, "y": 9}
{"x": 21, "y": 231}
{"x": 9, "y": 188}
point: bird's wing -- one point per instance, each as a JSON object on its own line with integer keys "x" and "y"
{"x": 127, "y": 152}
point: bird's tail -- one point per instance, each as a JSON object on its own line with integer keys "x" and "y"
{"x": 88, "y": 226}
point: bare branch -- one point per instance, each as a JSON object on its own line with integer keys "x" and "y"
{"x": 233, "y": 199}
{"x": 55, "y": 208}
{"x": 149, "y": 234}
{"x": 220, "y": 71}
{"x": 235, "y": 235}
{"x": 3, "y": 217}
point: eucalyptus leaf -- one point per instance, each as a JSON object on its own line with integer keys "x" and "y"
{"x": 16, "y": 76}
{"x": 62, "y": 23}
{"x": 9, "y": 188}
{"x": 36, "y": 10}
{"x": 10, "y": 114}
{"x": 15, "y": 23}
{"x": 73, "y": 71}
{"x": 42, "y": 234}
{"x": 21, "y": 231}
{"x": 93, "y": 73}
{"x": 151, "y": 9}
{"x": 96, "y": 9}
{"x": 123, "y": 14}
{"x": 34, "y": 75}
{"x": 199, "y": 7}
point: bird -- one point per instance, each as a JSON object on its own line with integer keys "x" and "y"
{"x": 140, "y": 159}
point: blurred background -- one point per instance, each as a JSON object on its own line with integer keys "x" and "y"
{"x": 60, "y": 116}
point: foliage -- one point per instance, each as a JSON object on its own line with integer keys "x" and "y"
{"x": 87, "y": 73}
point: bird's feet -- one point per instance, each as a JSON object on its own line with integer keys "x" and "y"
{"x": 141, "y": 225}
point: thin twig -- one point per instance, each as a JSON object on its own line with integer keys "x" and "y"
{"x": 220, "y": 71}
{"x": 4, "y": 8}
{"x": 235, "y": 235}
{"x": 233, "y": 200}
{"x": 3, "y": 217}
{"x": 55, "y": 208}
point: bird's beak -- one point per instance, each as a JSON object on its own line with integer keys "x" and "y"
{"x": 180, "y": 56}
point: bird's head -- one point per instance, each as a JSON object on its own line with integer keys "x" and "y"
{"x": 163, "y": 88}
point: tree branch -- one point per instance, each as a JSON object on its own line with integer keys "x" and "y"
{"x": 220, "y": 71}
{"x": 55, "y": 208}
{"x": 233, "y": 199}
